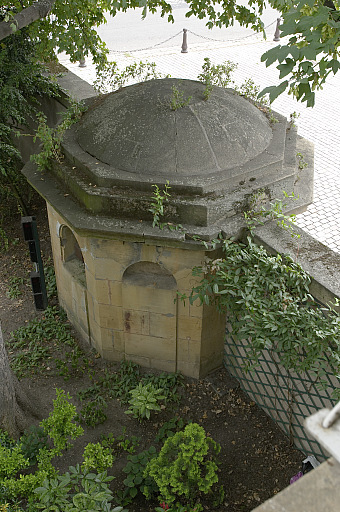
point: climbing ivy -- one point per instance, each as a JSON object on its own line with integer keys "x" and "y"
{"x": 268, "y": 304}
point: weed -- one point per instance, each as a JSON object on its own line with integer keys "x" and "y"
{"x": 14, "y": 290}
{"x": 74, "y": 363}
{"x": 177, "y": 100}
{"x": 111, "y": 78}
{"x": 302, "y": 164}
{"x": 51, "y": 138}
{"x": 50, "y": 280}
{"x": 157, "y": 203}
{"x": 122, "y": 442}
{"x": 275, "y": 211}
{"x": 136, "y": 480}
{"x": 219, "y": 75}
{"x": 294, "y": 116}
{"x": 92, "y": 413}
{"x": 28, "y": 345}
{"x": 144, "y": 399}
{"x": 169, "y": 428}
{"x": 4, "y": 241}
{"x": 169, "y": 382}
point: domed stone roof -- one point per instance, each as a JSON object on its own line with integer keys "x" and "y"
{"x": 214, "y": 153}
{"x": 134, "y": 130}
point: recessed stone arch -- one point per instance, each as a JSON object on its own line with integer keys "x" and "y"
{"x": 71, "y": 254}
{"x": 150, "y": 315}
{"x": 147, "y": 273}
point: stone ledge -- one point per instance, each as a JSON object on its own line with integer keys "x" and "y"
{"x": 317, "y": 491}
{"x": 319, "y": 261}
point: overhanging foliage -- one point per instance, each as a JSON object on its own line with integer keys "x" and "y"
{"x": 268, "y": 305}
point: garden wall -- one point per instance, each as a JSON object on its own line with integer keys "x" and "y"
{"x": 289, "y": 398}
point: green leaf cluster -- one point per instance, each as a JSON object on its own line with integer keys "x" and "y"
{"x": 97, "y": 457}
{"x": 185, "y": 466}
{"x": 110, "y": 78}
{"x": 135, "y": 479}
{"x": 312, "y": 52}
{"x": 144, "y": 399}
{"x": 268, "y": 305}
{"x": 75, "y": 491}
{"x": 22, "y": 83}
{"x": 60, "y": 425}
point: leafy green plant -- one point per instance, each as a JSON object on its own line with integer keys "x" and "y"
{"x": 157, "y": 203}
{"x": 169, "y": 382}
{"x": 28, "y": 345}
{"x": 269, "y": 306}
{"x": 136, "y": 480}
{"x": 144, "y": 399}
{"x": 185, "y": 466}
{"x": 219, "y": 75}
{"x": 177, "y": 99}
{"x": 302, "y": 164}
{"x": 121, "y": 442}
{"x": 50, "y": 280}
{"x": 169, "y": 428}
{"x": 32, "y": 441}
{"x": 51, "y": 138}
{"x": 111, "y": 78}
{"x": 76, "y": 490}
{"x": 14, "y": 290}
{"x": 60, "y": 425}
{"x": 20, "y": 87}
{"x": 74, "y": 363}
{"x": 293, "y": 117}
{"x": 92, "y": 413}
{"x": 97, "y": 457}
{"x": 12, "y": 460}
{"x": 259, "y": 213}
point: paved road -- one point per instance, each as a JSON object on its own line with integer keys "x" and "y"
{"x": 321, "y": 124}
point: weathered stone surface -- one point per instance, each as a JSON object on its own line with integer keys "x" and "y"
{"x": 317, "y": 491}
{"x": 218, "y": 155}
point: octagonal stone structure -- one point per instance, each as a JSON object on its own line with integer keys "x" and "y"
{"x": 118, "y": 276}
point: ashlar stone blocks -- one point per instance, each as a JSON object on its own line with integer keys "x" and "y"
{"x": 126, "y": 306}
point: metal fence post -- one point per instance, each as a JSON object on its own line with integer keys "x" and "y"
{"x": 277, "y": 31}
{"x": 185, "y": 41}
{"x": 82, "y": 63}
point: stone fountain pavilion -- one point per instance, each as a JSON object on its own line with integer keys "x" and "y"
{"x": 117, "y": 276}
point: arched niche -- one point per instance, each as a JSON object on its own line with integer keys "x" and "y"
{"x": 150, "y": 315}
{"x": 146, "y": 273}
{"x": 71, "y": 254}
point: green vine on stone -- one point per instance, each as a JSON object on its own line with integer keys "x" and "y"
{"x": 51, "y": 138}
{"x": 268, "y": 304}
{"x": 259, "y": 213}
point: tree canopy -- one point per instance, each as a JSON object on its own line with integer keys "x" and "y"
{"x": 309, "y": 55}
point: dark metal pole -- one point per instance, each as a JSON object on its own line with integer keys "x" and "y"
{"x": 277, "y": 31}
{"x": 185, "y": 41}
{"x": 82, "y": 63}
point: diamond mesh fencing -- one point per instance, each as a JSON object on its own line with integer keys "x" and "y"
{"x": 286, "y": 397}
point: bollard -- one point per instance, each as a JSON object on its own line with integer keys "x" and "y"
{"x": 82, "y": 63}
{"x": 185, "y": 42}
{"x": 277, "y": 31}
